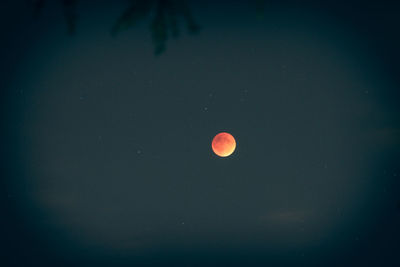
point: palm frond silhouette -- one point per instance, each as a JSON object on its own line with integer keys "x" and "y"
{"x": 164, "y": 22}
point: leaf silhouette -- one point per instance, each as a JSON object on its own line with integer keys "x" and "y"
{"x": 173, "y": 20}
{"x": 187, "y": 14}
{"x": 159, "y": 28}
{"x": 138, "y": 10}
{"x": 70, "y": 15}
{"x": 37, "y": 6}
{"x": 165, "y": 20}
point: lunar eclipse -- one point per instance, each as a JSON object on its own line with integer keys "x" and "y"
{"x": 119, "y": 142}
{"x": 223, "y": 144}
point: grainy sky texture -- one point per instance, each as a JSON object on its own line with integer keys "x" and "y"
{"x": 106, "y": 150}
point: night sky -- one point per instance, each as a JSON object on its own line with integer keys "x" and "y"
{"x": 107, "y": 120}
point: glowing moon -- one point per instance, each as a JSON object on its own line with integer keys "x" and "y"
{"x": 223, "y": 144}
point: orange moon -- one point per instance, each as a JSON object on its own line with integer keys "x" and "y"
{"x": 223, "y": 144}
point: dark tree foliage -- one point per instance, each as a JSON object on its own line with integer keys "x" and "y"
{"x": 137, "y": 11}
{"x": 37, "y": 6}
{"x": 70, "y": 15}
{"x": 69, "y": 7}
{"x": 260, "y": 6}
{"x": 165, "y": 15}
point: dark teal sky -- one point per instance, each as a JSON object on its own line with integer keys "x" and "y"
{"x": 107, "y": 147}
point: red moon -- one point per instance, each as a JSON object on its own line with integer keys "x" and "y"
{"x": 223, "y": 144}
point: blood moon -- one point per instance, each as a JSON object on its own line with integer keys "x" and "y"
{"x": 223, "y": 144}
